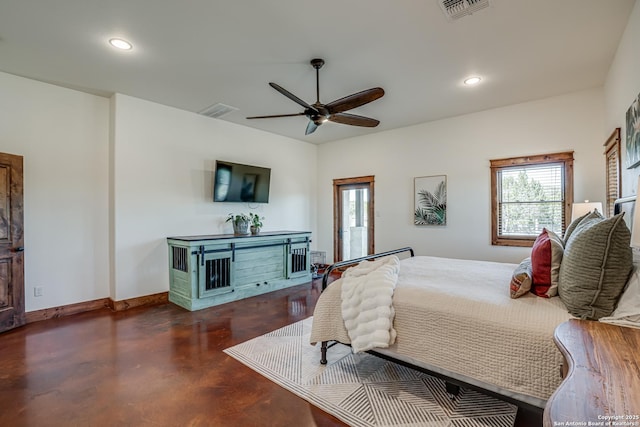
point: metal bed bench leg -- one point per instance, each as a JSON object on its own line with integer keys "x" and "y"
{"x": 323, "y": 353}
{"x": 452, "y": 389}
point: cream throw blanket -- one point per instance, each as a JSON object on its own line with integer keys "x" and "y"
{"x": 367, "y": 310}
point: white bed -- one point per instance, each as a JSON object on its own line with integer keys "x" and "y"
{"x": 456, "y": 318}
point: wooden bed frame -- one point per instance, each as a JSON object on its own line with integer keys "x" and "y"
{"x": 452, "y": 384}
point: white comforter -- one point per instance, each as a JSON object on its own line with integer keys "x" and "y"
{"x": 456, "y": 317}
{"x": 367, "y": 310}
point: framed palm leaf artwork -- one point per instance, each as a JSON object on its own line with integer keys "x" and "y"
{"x": 633, "y": 134}
{"x": 430, "y": 200}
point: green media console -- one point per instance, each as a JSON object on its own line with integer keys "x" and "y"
{"x": 209, "y": 270}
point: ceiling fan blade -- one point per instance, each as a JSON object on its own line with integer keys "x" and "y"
{"x": 354, "y": 120}
{"x": 311, "y": 128}
{"x": 291, "y": 96}
{"x": 276, "y": 115}
{"x": 354, "y": 100}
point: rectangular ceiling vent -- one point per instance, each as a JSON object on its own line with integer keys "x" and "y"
{"x": 456, "y": 9}
{"x": 217, "y": 110}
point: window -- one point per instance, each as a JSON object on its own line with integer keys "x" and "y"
{"x": 529, "y": 194}
{"x": 612, "y": 156}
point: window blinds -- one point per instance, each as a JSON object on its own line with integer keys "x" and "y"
{"x": 530, "y": 198}
{"x": 613, "y": 192}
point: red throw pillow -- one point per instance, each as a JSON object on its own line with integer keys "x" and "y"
{"x": 546, "y": 256}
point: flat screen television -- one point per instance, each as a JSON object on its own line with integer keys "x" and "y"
{"x": 234, "y": 182}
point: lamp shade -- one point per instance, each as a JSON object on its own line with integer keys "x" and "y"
{"x": 579, "y": 209}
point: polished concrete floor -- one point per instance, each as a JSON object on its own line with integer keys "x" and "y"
{"x": 154, "y": 366}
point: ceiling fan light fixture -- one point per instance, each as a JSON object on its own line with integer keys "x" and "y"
{"x": 471, "y": 81}
{"x": 318, "y": 119}
{"x": 121, "y": 44}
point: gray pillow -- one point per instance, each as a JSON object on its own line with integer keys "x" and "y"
{"x": 596, "y": 265}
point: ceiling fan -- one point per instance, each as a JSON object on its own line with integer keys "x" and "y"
{"x": 319, "y": 113}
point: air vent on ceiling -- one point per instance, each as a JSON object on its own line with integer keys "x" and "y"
{"x": 456, "y": 9}
{"x": 217, "y": 110}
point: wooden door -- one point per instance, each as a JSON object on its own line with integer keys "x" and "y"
{"x": 353, "y": 227}
{"x": 11, "y": 243}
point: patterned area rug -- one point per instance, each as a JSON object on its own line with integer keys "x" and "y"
{"x": 364, "y": 390}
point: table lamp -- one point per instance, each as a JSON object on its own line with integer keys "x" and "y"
{"x": 579, "y": 209}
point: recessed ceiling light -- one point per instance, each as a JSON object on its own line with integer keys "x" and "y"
{"x": 120, "y": 44}
{"x": 472, "y": 81}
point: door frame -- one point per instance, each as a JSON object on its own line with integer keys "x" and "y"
{"x": 352, "y": 183}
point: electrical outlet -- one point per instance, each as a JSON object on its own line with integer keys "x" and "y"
{"x": 37, "y": 291}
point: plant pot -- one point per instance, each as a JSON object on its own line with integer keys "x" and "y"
{"x": 240, "y": 227}
{"x": 255, "y": 230}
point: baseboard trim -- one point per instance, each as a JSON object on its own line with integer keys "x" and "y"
{"x": 81, "y": 307}
{"x": 66, "y": 310}
{"x": 126, "y": 304}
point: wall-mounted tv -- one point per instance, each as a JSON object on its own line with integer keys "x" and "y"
{"x": 234, "y": 182}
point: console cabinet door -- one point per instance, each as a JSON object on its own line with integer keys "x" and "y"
{"x": 298, "y": 262}
{"x": 259, "y": 265}
{"x": 215, "y": 274}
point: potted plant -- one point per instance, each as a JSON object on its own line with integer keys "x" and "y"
{"x": 256, "y": 223}
{"x": 240, "y": 223}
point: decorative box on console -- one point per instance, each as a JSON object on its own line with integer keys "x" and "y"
{"x": 209, "y": 270}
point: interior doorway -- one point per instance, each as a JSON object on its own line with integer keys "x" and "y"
{"x": 12, "y": 311}
{"x": 353, "y": 224}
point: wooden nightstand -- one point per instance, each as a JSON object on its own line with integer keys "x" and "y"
{"x": 602, "y": 384}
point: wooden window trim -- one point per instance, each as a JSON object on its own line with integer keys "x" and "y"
{"x": 612, "y": 148}
{"x": 541, "y": 159}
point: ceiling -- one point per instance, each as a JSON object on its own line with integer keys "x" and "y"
{"x": 194, "y": 53}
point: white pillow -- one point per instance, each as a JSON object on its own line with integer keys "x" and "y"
{"x": 628, "y": 311}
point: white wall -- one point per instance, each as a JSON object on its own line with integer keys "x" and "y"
{"x": 63, "y": 137}
{"x": 160, "y": 178}
{"x": 622, "y": 86}
{"x": 461, "y": 148}
{"x": 164, "y": 159}
{"x": 105, "y": 182}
